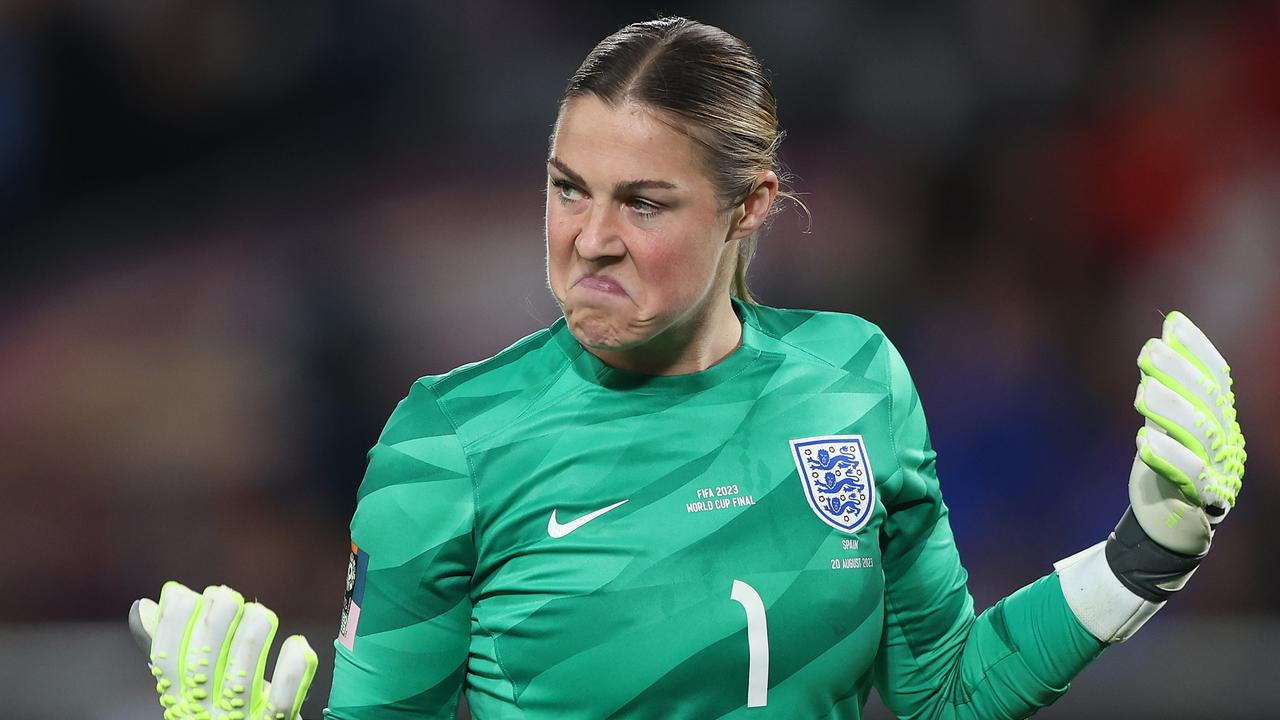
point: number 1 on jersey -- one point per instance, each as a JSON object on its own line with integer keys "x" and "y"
{"x": 757, "y": 643}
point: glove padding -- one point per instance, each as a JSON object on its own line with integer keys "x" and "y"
{"x": 1190, "y": 460}
{"x": 208, "y": 654}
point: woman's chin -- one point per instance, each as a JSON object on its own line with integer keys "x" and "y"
{"x": 599, "y": 331}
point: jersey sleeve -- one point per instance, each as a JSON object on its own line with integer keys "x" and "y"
{"x": 936, "y": 660}
{"x": 403, "y": 650}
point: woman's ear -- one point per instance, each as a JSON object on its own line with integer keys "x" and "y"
{"x": 754, "y": 210}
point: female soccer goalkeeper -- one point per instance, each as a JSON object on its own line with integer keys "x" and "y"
{"x": 678, "y": 503}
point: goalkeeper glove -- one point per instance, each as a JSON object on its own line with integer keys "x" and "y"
{"x": 1184, "y": 479}
{"x": 208, "y": 654}
{"x": 1190, "y": 451}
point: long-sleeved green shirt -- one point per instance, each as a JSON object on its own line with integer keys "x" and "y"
{"x": 767, "y": 538}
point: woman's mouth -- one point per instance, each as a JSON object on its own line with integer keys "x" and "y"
{"x": 601, "y": 283}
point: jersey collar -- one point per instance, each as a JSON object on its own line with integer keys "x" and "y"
{"x": 593, "y": 370}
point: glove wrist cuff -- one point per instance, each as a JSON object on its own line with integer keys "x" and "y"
{"x": 1144, "y": 566}
{"x": 1105, "y": 607}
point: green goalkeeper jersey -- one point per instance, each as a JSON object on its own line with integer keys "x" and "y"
{"x": 559, "y": 539}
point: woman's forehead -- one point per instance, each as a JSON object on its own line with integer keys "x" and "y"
{"x": 608, "y": 144}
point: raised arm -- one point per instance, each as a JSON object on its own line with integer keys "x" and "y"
{"x": 937, "y": 660}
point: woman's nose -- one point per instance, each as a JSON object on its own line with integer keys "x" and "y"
{"x": 600, "y": 237}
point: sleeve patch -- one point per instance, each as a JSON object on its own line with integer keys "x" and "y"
{"x": 357, "y": 571}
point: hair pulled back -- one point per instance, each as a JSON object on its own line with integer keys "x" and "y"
{"x": 712, "y": 82}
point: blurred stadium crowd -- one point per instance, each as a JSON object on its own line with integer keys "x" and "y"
{"x": 235, "y": 232}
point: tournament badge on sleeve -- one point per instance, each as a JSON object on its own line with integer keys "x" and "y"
{"x": 837, "y": 479}
{"x": 357, "y": 569}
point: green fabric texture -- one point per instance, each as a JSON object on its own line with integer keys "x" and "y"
{"x": 629, "y": 614}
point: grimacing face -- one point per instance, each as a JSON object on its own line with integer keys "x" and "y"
{"x": 636, "y": 235}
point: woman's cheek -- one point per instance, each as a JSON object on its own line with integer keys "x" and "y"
{"x": 561, "y": 242}
{"x": 676, "y": 273}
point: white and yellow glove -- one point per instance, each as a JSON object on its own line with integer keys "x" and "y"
{"x": 1191, "y": 455}
{"x": 1184, "y": 479}
{"x": 208, "y": 654}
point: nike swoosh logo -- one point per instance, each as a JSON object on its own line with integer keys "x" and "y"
{"x": 557, "y": 530}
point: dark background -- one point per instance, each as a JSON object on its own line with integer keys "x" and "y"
{"x": 234, "y": 233}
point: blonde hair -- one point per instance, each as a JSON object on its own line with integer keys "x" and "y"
{"x": 712, "y": 82}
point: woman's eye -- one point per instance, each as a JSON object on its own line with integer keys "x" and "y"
{"x": 566, "y": 192}
{"x": 644, "y": 207}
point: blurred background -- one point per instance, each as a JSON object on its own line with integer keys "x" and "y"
{"x": 235, "y": 232}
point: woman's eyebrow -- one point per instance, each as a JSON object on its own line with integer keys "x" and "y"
{"x": 621, "y": 188}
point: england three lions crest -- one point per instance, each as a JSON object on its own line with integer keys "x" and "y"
{"x": 837, "y": 479}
